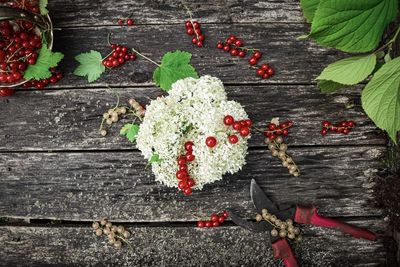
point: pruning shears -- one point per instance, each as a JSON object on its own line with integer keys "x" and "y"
{"x": 296, "y": 214}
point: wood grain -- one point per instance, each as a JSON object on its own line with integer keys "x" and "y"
{"x": 84, "y": 13}
{"x": 70, "y": 119}
{"x": 84, "y": 186}
{"x": 173, "y": 246}
{"x": 294, "y": 61}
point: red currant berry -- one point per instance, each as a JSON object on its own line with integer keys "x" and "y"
{"x": 120, "y": 21}
{"x": 228, "y": 120}
{"x": 351, "y": 123}
{"x": 260, "y": 72}
{"x": 190, "y": 31}
{"x": 201, "y": 38}
{"x": 129, "y": 22}
{"x": 345, "y": 130}
{"x": 201, "y": 224}
{"x": 220, "y": 45}
{"x": 244, "y": 131}
{"x": 270, "y": 72}
{"x": 181, "y": 160}
{"x": 189, "y": 146}
{"x": 233, "y": 139}
{"x": 324, "y": 131}
{"x": 214, "y": 217}
{"x": 188, "y": 24}
{"x": 252, "y": 61}
{"x": 182, "y": 185}
{"x": 227, "y": 48}
{"x": 194, "y": 40}
{"x": 271, "y": 126}
{"x": 199, "y": 44}
{"x": 238, "y": 43}
{"x": 242, "y": 53}
{"x": 285, "y": 132}
{"x": 196, "y": 25}
{"x": 183, "y": 168}
{"x": 272, "y": 137}
{"x": 187, "y": 191}
{"x": 237, "y": 126}
{"x": 234, "y": 52}
{"x": 221, "y": 219}
{"x": 208, "y": 224}
{"x": 190, "y": 157}
{"x": 211, "y": 141}
{"x": 215, "y": 224}
{"x": 181, "y": 175}
{"x": 257, "y": 54}
{"x": 190, "y": 182}
{"x": 326, "y": 124}
{"x": 248, "y": 122}
{"x": 6, "y": 92}
{"x": 265, "y": 76}
{"x": 225, "y": 214}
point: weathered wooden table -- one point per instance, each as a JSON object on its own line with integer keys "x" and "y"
{"x": 58, "y": 174}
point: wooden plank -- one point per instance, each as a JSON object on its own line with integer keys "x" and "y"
{"x": 184, "y": 246}
{"x": 295, "y": 61}
{"x": 83, "y": 13}
{"x": 70, "y": 119}
{"x": 82, "y": 186}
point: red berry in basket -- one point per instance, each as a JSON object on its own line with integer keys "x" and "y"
{"x": 211, "y": 141}
{"x": 233, "y": 139}
{"x": 4, "y": 92}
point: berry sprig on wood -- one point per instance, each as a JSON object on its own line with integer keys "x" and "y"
{"x": 127, "y": 22}
{"x": 274, "y": 139}
{"x": 193, "y": 28}
{"x": 241, "y": 126}
{"x": 282, "y": 229}
{"x": 236, "y": 47}
{"x": 174, "y": 65}
{"x": 215, "y": 220}
{"x": 185, "y": 181}
{"x": 343, "y": 127}
{"x": 56, "y": 75}
{"x": 117, "y": 235}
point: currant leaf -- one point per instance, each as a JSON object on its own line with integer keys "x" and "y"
{"x": 154, "y": 159}
{"x": 46, "y": 60}
{"x": 352, "y": 25}
{"x": 381, "y": 98}
{"x": 350, "y": 70}
{"x": 43, "y": 7}
{"x": 90, "y": 65}
{"x": 174, "y": 66}
{"x": 329, "y": 86}
{"x": 309, "y": 8}
{"x": 130, "y": 131}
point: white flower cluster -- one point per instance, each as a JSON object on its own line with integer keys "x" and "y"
{"x": 193, "y": 110}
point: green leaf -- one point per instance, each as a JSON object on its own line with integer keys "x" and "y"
{"x": 387, "y": 58}
{"x": 174, "y": 66}
{"x": 43, "y": 7}
{"x": 130, "y": 131}
{"x": 352, "y": 25}
{"x": 90, "y": 65}
{"x": 329, "y": 86}
{"x": 350, "y": 70}
{"x": 154, "y": 158}
{"x": 381, "y": 98}
{"x": 46, "y": 60}
{"x": 309, "y": 7}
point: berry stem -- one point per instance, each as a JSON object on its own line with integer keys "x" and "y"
{"x": 245, "y": 48}
{"x": 143, "y": 56}
{"x": 190, "y": 19}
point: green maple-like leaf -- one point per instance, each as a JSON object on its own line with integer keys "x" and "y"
{"x": 352, "y": 25}
{"x": 174, "y": 66}
{"x": 90, "y": 65}
{"x": 381, "y": 98}
{"x": 350, "y": 70}
{"x": 46, "y": 60}
{"x": 43, "y": 7}
{"x": 309, "y": 8}
{"x": 130, "y": 131}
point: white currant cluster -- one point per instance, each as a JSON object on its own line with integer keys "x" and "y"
{"x": 280, "y": 228}
{"x": 117, "y": 235}
{"x": 278, "y": 149}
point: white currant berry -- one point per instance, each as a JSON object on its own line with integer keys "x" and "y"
{"x": 95, "y": 225}
{"x": 99, "y": 232}
{"x": 120, "y": 229}
{"x": 284, "y": 164}
{"x": 275, "y": 153}
{"x": 103, "y": 222}
{"x": 274, "y": 232}
{"x": 283, "y": 147}
{"x": 114, "y": 118}
{"x": 106, "y": 115}
{"x": 258, "y": 217}
{"x": 126, "y": 234}
{"x": 118, "y": 244}
{"x": 282, "y": 233}
{"x": 291, "y": 236}
{"x": 109, "y": 121}
{"x": 279, "y": 139}
{"x": 103, "y": 132}
{"x": 123, "y": 110}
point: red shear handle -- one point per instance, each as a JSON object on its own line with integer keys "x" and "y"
{"x": 283, "y": 251}
{"x": 310, "y": 215}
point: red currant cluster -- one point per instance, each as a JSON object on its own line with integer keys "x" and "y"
{"x": 242, "y": 126}
{"x": 343, "y": 127}
{"x": 118, "y": 56}
{"x": 193, "y": 28}
{"x": 129, "y": 22}
{"x": 18, "y": 49}
{"x": 265, "y": 71}
{"x": 235, "y": 47}
{"x": 186, "y": 183}
{"x": 40, "y": 84}
{"x": 30, "y": 5}
{"x": 274, "y": 130}
{"x": 215, "y": 220}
